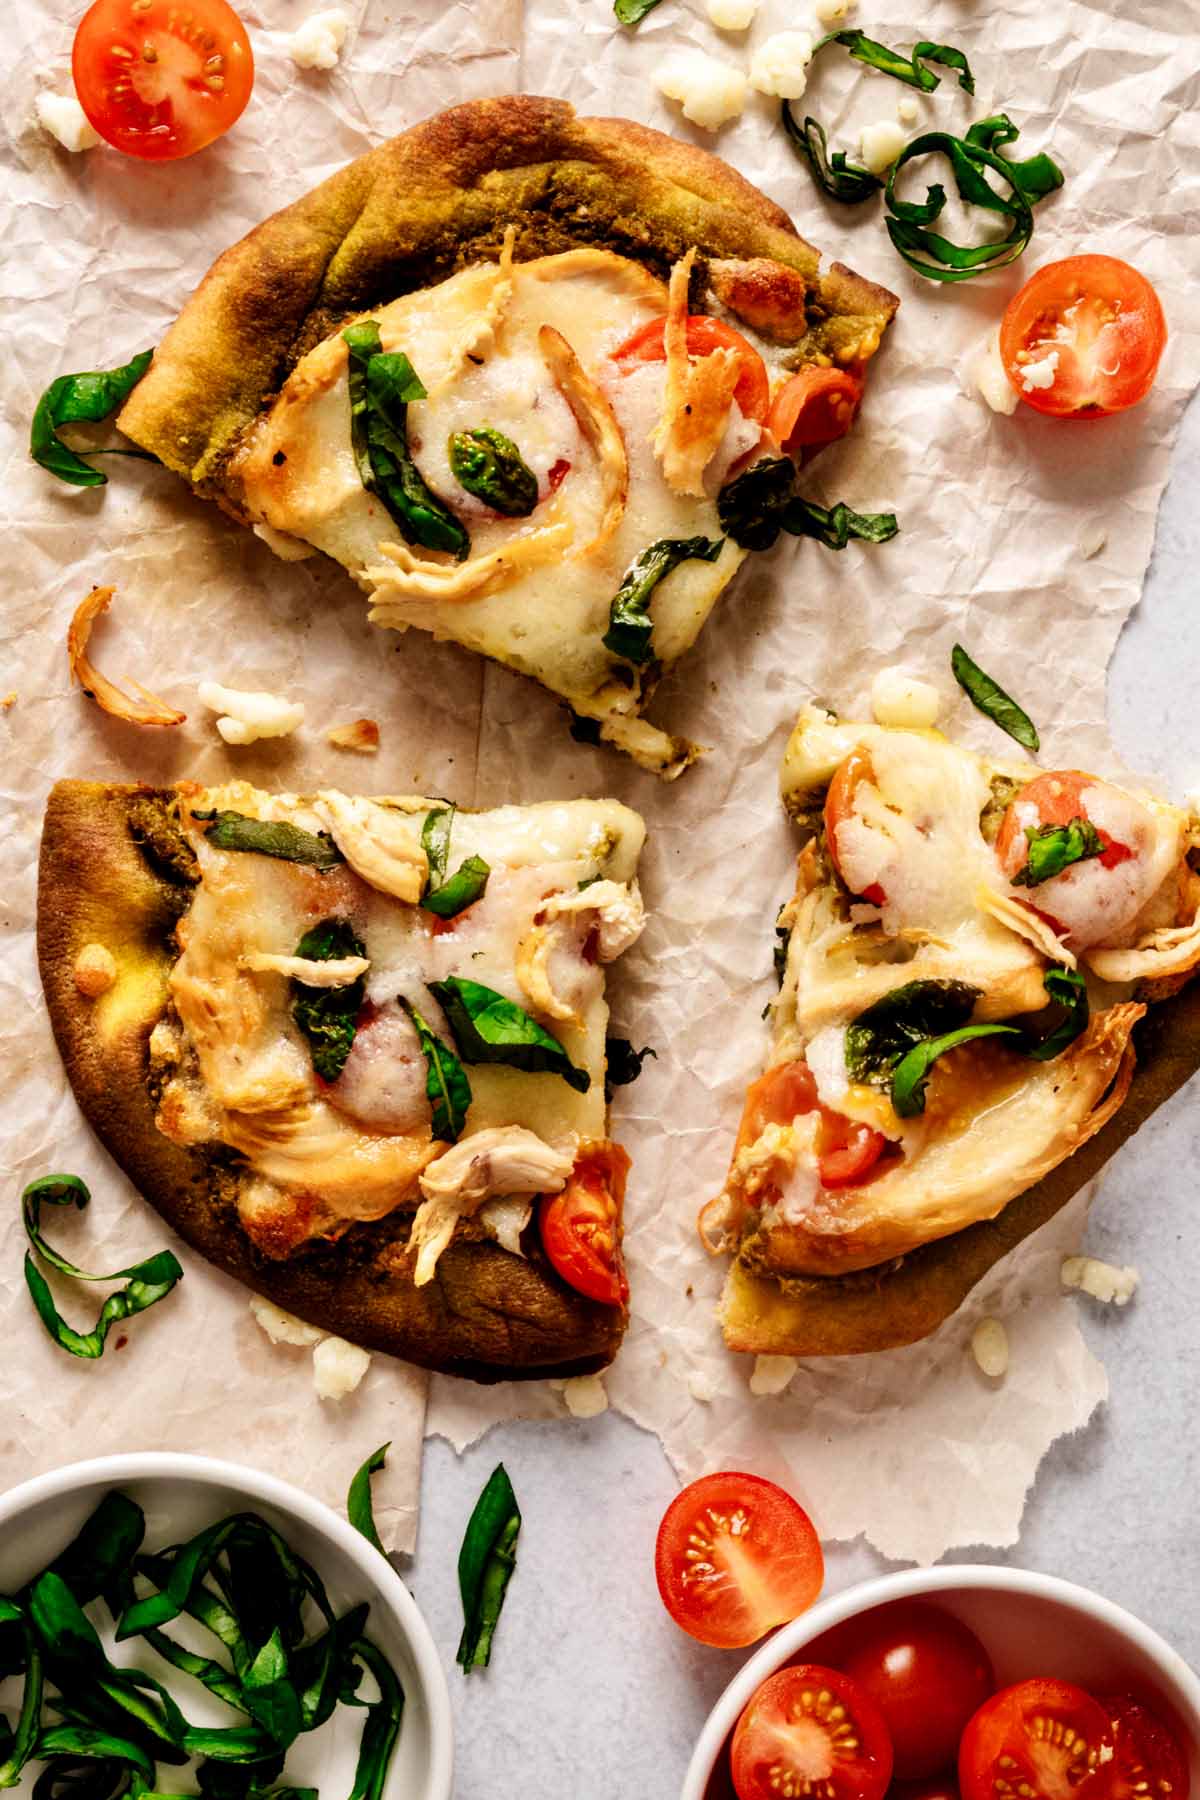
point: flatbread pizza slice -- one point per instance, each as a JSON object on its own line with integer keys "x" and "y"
{"x": 963, "y": 1033}
{"x": 509, "y": 370}
{"x": 353, "y": 1050}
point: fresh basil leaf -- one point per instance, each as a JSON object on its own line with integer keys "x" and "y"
{"x": 632, "y": 12}
{"x": 448, "y": 897}
{"x": 91, "y": 1741}
{"x": 834, "y": 526}
{"x": 487, "y": 1028}
{"x": 382, "y": 1727}
{"x": 969, "y": 157}
{"x": 630, "y": 626}
{"x": 1036, "y": 177}
{"x": 82, "y": 399}
{"x": 228, "y": 1743}
{"x": 485, "y": 1565}
{"x": 359, "y": 1509}
{"x": 907, "y": 69}
{"x": 148, "y": 1282}
{"x": 435, "y": 841}
{"x": 991, "y": 699}
{"x": 1053, "y": 848}
{"x": 902, "y": 1019}
{"x": 328, "y": 1017}
{"x": 1068, "y": 989}
{"x": 624, "y": 1063}
{"x": 207, "y": 1608}
{"x": 489, "y": 465}
{"x": 77, "y": 1778}
{"x": 324, "y": 1670}
{"x": 104, "y": 1547}
{"x": 273, "y": 837}
{"x": 446, "y": 1085}
{"x": 750, "y": 507}
{"x": 912, "y": 1071}
{"x": 67, "y": 1633}
{"x": 381, "y": 385}
{"x": 270, "y": 1698}
{"x": 835, "y": 175}
{"x": 213, "y": 1675}
{"x": 20, "y": 1744}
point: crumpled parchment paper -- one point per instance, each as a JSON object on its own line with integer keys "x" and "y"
{"x": 996, "y": 513}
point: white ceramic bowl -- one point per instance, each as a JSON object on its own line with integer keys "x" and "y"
{"x": 1031, "y": 1624}
{"x": 180, "y": 1495}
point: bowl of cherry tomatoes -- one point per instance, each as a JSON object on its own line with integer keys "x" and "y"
{"x": 956, "y": 1683}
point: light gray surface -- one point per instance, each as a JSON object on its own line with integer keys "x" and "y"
{"x": 593, "y": 1693}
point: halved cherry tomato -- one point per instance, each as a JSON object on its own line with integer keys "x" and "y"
{"x": 925, "y": 1671}
{"x": 581, "y": 1227}
{"x": 704, "y": 335}
{"x": 839, "y": 805}
{"x": 1057, "y": 798}
{"x": 1104, "y": 323}
{"x": 814, "y": 408}
{"x": 1041, "y": 1739}
{"x": 736, "y": 1556}
{"x": 161, "y": 79}
{"x": 846, "y": 1148}
{"x": 811, "y": 1731}
{"x": 1149, "y": 1764}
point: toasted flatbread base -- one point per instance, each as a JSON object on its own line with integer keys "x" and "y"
{"x": 486, "y": 1315}
{"x": 906, "y": 1300}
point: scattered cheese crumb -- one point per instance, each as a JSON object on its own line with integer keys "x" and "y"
{"x": 829, "y": 11}
{"x": 280, "y": 1326}
{"x": 881, "y": 144}
{"x": 772, "y": 1374}
{"x": 1040, "y": 373}
{"x": 317, "y": 43}
{"x": 989, "y": 379}
{"x": 989, "y": 1347}
{"x": 1093, "y": 541}
{"x": 908, "y": 112}
{"x": 780, "y": 64}
{"x": 585, "y": 1396}
{"x": 63, "y": 117}
{"x": 710, "y": 91}
{"x": 249, "y": 716}
{"x": 701, "y": 1387}
{"x": 899, "y": 699}
{"x": 95, "y": 971}
{"x": 361, "y": 735}
{"x": 732, "y": 15}
{"x": 286, "y": 547}
{"x": 1101, "y": 1280}
{"x": 338, "y": 1367}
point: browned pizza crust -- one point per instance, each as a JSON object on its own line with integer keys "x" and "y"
{"x": 904, "y": 1301}
{"x": 486, "y": 1314}
{"x": 409, "y": 213}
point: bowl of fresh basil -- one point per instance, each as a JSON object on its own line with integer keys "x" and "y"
{"x": 158, "y": 1611}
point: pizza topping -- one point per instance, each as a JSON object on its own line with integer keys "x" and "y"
{"x": 533, "y": 970}
{"x": 327, "y": 1011}
{"x": 630, "y": 626}
{"x": 506, "y": 1219}
{"x": 248, "y": 716}
{"x": 697, "y": 394}
{"x": 227, "y": 830}
{"x": 596, "y": 419}
{"x": 490, "y": 1163}
{"x": 378, "y": 842}
{"x": 446, "y": 1086}
{"x": 447, "y": 896}
{"x": 616, "y": 908}
{"x": 339, "y": 971}
{"x": 411, "y": 579}
{"x": 95, "y": 971}
{"x": 489, "y": 465}
{"x": 761, "y": 502}
{"x": 147, "y": 709}
{"x": 487, "y": 1028}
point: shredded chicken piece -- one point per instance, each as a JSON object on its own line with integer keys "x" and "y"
{"x": 478, "y": 340}
{"x": 533, "y": 972}
{"x": 504, "y": 1159}
{"x": 411, "y": 579}
{"x": 697, "y": 395}
{"x": 598, "y": 423}
{"x": 620, "y": 914}
{"x": 378, "y": 843}
{"x": 1026, "y": 923}
{"x": 148, "y": 709}
{"x": 361, "y": 735}
{"x": 505, "y": 1219}
{"x": 339, "y": 971}
{"x": 1172, "y": 950}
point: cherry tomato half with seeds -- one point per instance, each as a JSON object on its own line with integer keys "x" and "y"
{"x": 160, "y": 79}
{"x": 1057, "y": 799}
{"x": 1043, "y": 1740}
{"x": 704, "y": 335}
{"x": 581, "y": 1227}
{"x": 1149, "y": 1763}
{"x": 814, "y": 408}
{"x": 847, "y": 1149}
{"x": 1094, "y": 327}
{"x": 813, "y": 1732}
{"x": 848, "y": 777}
{"x": 735, "y": 1556}
{"x": 927, "y": 1673}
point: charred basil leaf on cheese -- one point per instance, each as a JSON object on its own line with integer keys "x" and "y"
{"x": 81, "y": 399}
{"x": 905, "y": 1017}
{"x": 912, "y": 1071}
{"x": 489, "y": 466}
{"x": 448, "y": 897}
{"x": 328, "y": 1017}
{"x": 359, "y": 1509}
{"x": 630, "y": 626}
{"x": 147, "y": 1282}
{"x": 757, "y": 505}
{"x": 1053, "y": 848}
{"x": 487, "y": 1028}
{"x": 1065, "y": 988}
{"x": 270, "y": 837}
{"x": 382, "y": 384}
{"x": 446, "y": 1085}
{"x": 485, "y": 1566}
{"x": 992, "y": 700}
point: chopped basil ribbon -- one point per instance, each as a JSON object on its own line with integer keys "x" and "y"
{"x": 270, "y": 837}
{"x": 328, "y": 1017}
{"x": 1053, "y": 848}
{"x": 487, "y": 1028}
{"x": 148, "y": 1281}
{"x": 448, "y": 897}
{"x": 77, "y": 400}
{"x": 359, "y": 1509}
{"x": 632, "y": 12}
{"x": 835, "y": 175}
{"x": 991, "y": 699}
{"x": 446, "y": 1083}
{"x": 969, "y": 157}
{"x": 382, "y": 1725}
{"x": 630, "y": 626}
{"x": 756, "y": 506}
{"x": 485, "y": 1565}
{"x": 382, "y": 384}
{"x": 489, "y": 465}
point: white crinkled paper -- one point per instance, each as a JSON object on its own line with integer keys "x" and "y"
{"x": 99, "y": 254}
